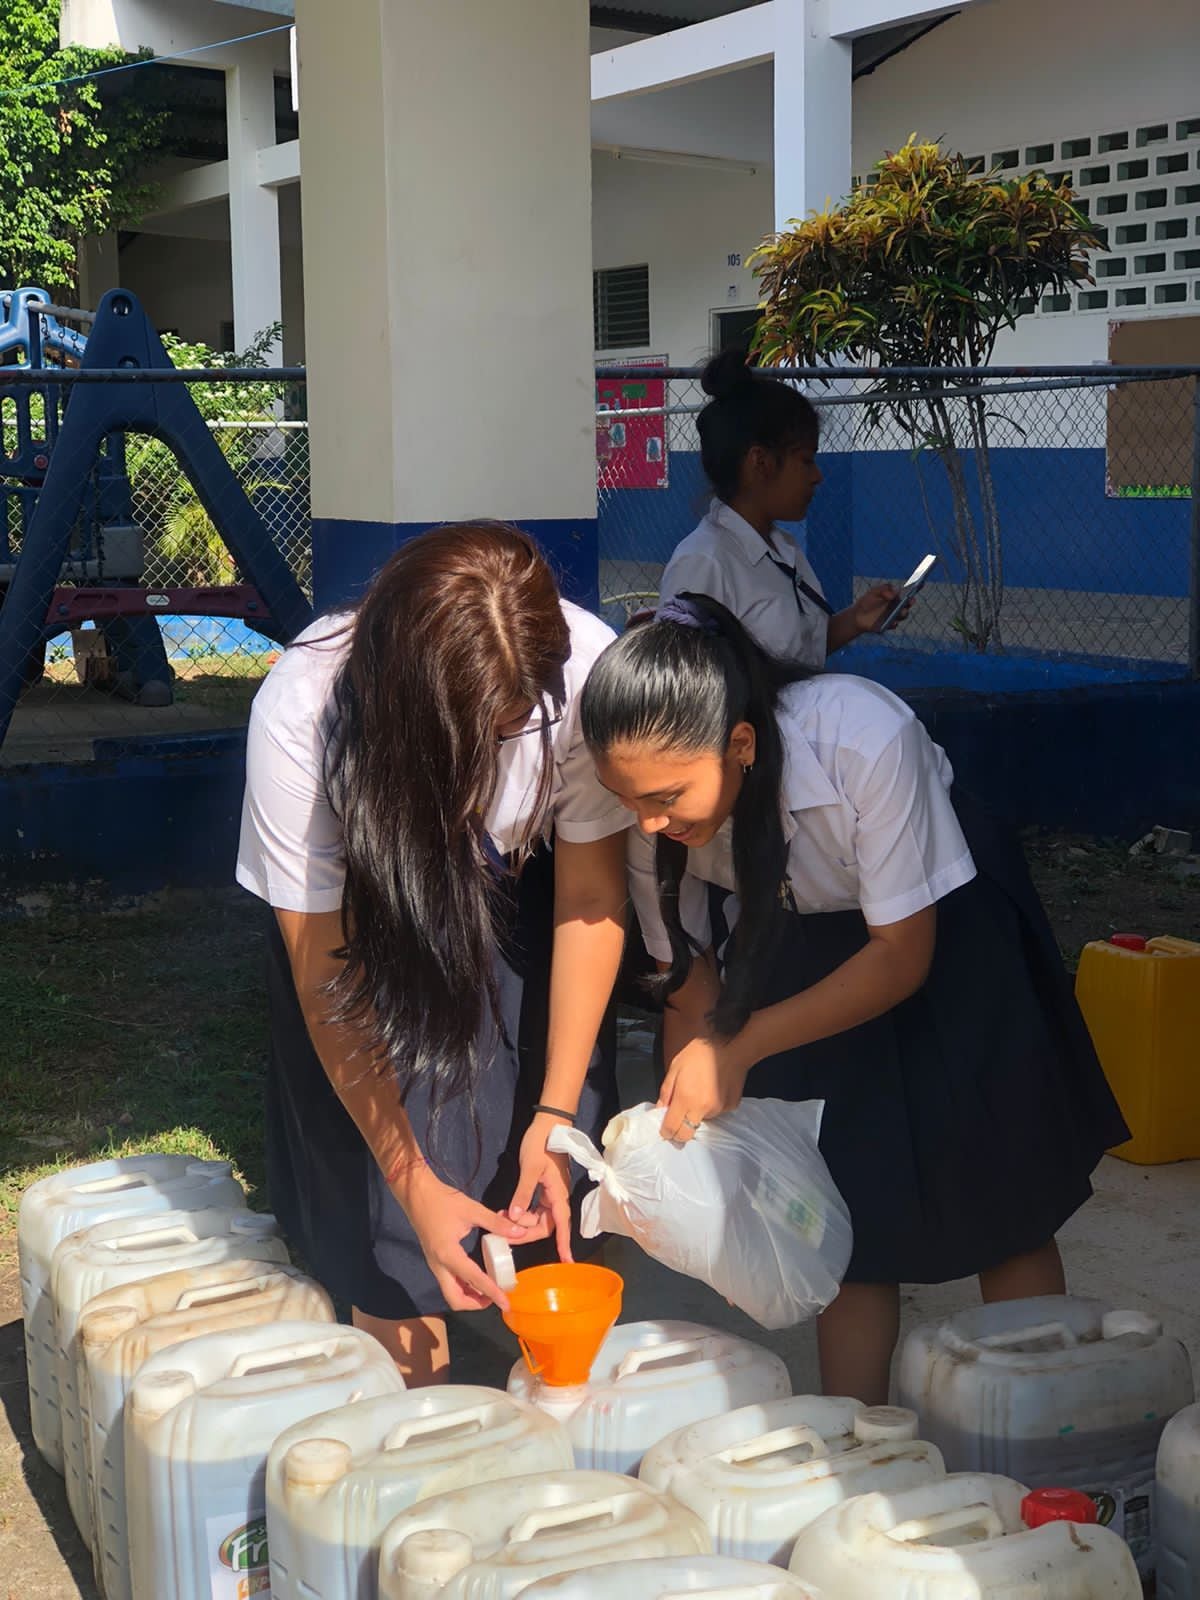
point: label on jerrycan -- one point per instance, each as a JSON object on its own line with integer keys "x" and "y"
{"x": 1128, "y": 1509}
{"x": 238, "y": 1564}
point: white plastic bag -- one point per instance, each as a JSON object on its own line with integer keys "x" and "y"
{"x": 747, "y": 1205}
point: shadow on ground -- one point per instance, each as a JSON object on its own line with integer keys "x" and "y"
{"x": 44, "y": 1565}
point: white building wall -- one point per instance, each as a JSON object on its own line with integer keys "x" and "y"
{"x": 1022, "y": 73}
{"x": 186, "y": 284}
{"x": 685, "y": 222}
{"x": 1004, "y": 74}
{"x": 183, "y": 284}
{"x": 1009, "y": 73}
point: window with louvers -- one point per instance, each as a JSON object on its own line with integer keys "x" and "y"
{"x": 621, "y": 307}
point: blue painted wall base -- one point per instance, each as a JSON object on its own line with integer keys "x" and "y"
{"x": 1110, "y": 761}
{"x": 1061, "y": 529}
{"x": 145, "y": 814}
{"x": 148, "y": 814}
{"x": 347, "y": 555}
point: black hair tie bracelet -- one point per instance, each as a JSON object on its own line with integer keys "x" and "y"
{"x": 554, "y": 1111}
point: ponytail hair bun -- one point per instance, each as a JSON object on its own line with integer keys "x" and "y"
{"x": 725, "y": 374}
{"x": 747, "y": 408}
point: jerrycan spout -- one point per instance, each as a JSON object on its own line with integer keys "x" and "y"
{"x": 560, "y": 1314}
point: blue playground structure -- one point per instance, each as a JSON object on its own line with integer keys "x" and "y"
{"x": 70, "y": 549}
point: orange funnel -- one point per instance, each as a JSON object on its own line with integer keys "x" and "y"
{"x": 560, "y": 1315}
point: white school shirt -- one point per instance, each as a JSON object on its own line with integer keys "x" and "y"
{"x": 866, "y": 810}
{"x": 726, "y": 558}
{"x": 290, "y": 852}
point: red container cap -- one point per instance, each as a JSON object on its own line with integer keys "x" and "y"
{"x": 1129, "y": 941}
{"x": 1057, "y": 1505}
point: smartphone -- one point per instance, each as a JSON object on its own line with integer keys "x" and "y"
{"x": 914, "y": 583}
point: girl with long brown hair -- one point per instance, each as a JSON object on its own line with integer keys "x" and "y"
{"x": 447, "y": 877}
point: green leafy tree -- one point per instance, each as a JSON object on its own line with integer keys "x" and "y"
{"x": 925, "y": 267}
{"x": 179, "y": 532}
{"x": 71, "y": 155}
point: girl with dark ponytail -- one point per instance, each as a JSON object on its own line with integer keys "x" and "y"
{"x": 437, "y": 974}
{"x": 880, "y": 962}
{"x": 758, "y": 447}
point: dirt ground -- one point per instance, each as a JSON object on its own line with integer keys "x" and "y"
{"x": 146, "y": 1030}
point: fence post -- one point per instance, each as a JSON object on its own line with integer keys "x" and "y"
{"x": 1194, "y": 581}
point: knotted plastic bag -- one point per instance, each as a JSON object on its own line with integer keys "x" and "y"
{"x": 746, "y": 1206}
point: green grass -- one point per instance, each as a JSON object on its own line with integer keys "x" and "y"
{"x": 1154, "y": 491}
{"x": 146, "y": 1029}
{"x": 129, "y": 1032}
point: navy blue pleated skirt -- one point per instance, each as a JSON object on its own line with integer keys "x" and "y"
{"x": 326, "y": 1187}
{"x": 963, "y": 1126}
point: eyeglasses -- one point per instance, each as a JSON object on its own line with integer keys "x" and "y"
{"x": 543, "y": 724}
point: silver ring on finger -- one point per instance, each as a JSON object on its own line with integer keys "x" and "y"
{"x": 694, "y": 1126}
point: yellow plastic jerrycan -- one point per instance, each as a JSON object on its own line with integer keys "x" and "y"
{"x": 1141, "y": 1000}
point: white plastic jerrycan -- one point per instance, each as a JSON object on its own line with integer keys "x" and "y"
{"x": 755, "y": 1477}
{"x": 1055, "y": 1391}
{"x": 121, "y": 1329}
{"x": 491, "y": 1541}
{"x": 128, "y": 1250}
{"x": 335, "y": 1481}
{"x": 67, "y": 1201}
{"x": 1177, "y": 1508}
{"x": 648, "y": 1379}
{"x": 199, "y": 1422}
{"x": 961, "y": 1538}
{"x": 709, "y": 1577}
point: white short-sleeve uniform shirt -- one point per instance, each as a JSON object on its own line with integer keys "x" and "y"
{"x": 726, "y": 558}
{"x": 866, "y": 811}
{"x": 290, "y": 852}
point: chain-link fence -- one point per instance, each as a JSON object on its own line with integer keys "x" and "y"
{"x": 1058, "y": 502}
{"x": 176, "y": 561}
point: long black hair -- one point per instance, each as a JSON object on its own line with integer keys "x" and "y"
{"x": 748, "y": 409}
{"x": 460, "y": 626}
{"x": 684, "y": 687}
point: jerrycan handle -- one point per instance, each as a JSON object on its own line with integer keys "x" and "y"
{"x": 467, "y": 1417}
{"x": 654, "y": 1353}
{"x": 153, "y": 1238}
{"x": 769, "y": 1444}
{"x": 252, "y": 1361}
{"x": 733, "y": 1591}
{"x": 219, "y": 1294}
{"x": 1169, "y": 944}
{"x": 547, "y": 1518}
{"x": 917, "y": 1529}
{"x": 1040, "y": 1330}
{"x": 120, "y": 1183}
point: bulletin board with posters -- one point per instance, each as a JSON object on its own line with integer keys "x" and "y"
{"x": 631, "y": 451}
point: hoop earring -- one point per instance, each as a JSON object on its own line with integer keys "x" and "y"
{"x": 747, "y": 769}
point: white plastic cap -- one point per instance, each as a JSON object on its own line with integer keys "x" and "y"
{"x": 1115, "y": 1323}
{"x": 435, "y": 1555}
{"x": 209, "y": 1169}
{"x": 498, "y": 1261}
{"x": 154, "y": 1394}
{"x": 316, "y": 1463}
{"x": 884, "y": 1424}
{"x": 258, "y": 1224}
{"x": 100, "y": 1328}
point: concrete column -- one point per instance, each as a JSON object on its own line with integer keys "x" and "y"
{"x": 446, "y": 206}
{"x": 99, "y": 269}
{"x": 253, "y": 209}
{"x": 812, "y": 110}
